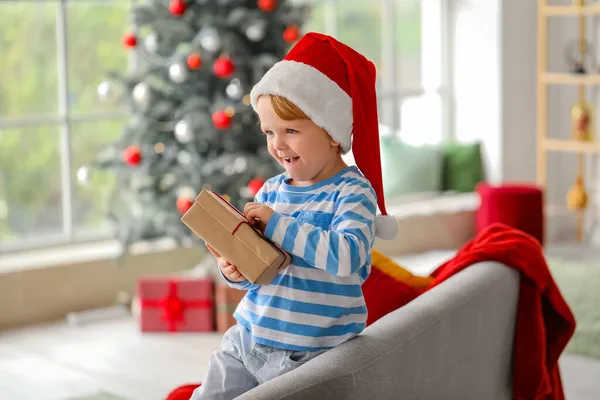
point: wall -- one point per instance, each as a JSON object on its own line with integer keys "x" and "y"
{"x": 495, "y": 67}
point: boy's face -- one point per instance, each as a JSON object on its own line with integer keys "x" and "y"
{"x": 305, "y": 150}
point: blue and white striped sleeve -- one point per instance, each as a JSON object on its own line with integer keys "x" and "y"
{"x": 341, "y": 250}
{"x": 260, "y": 197}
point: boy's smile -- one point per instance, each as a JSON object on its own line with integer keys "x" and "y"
{"x": 305, "y": 150}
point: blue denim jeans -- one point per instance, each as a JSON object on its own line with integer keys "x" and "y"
{"x": 241, "y": 365}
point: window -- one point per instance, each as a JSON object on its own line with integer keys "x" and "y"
{"x": 57, "y": 52}
{"x": 54, "y": 55}
{"x": 407, "y": 41}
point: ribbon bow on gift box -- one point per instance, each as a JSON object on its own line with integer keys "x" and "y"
{"x": 173, "y": 306}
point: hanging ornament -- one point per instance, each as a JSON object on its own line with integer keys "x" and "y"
{"x": 256, "y": 32}
{"x": 223, "y": 67}
{"x": 184, "y": 204}
{"x": 186, "y": 191}
{"x": 234, "y": 89}
{"x": 132, "y": 155}
{"x": 178, "y": 73}
{"x": 151, "y": 43}
{"x": 177, "y": 7}
{"x": 267, "y": 5}
{"x": 240, "y": 164}
{"x": 245, "y": 192}
{"x": 194, "y": 61}
{"x": 255, "y": 185}
{"x": 184, "y": 157}
{"x": 129, "y": 40}
{"x": 141, "y": 94}
{"x": 221, "y": 120}
{"x": 159, "y": 148}
{"x": 184, "y": 132}
{"x": 105, "y": 91}
{"x": 291, "y": 34}
{"x": 581, "y": 115}
{"x": 577, "y": 198}
{"x": 210, "y": 40}
{"x": 83, "y": 175}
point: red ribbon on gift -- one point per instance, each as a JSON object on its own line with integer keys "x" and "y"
{"x": 174, "y": 307}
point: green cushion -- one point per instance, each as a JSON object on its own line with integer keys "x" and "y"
{"x": 409, "y": 169}
{"x": 462, "y": 166}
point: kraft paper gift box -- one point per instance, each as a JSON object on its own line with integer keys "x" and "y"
{"x": 226, "y": 229}
{"x": 170, "y": 304}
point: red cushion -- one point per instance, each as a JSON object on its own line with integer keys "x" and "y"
{"x": 182, "y": 392}
{"x": 517, "y": 205}
{"x": 384, "y": 294}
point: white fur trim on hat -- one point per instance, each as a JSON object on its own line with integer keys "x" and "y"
{"x": 321, "y": 99}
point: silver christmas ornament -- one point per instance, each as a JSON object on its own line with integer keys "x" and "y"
{"x": 234, "y": 89}
{"x": 83, "y": 175}
{"x": 151, "y": 43}
{"x": 141, "y": 94}
{"x": 178, "y": 73}
{"x": 210, "y": 40}
{"x": 105, "y": 90}
{"x": 186, "y": 191}
{"x": 245, "y": 192}
{"x": 184, "y": 132}
{"x": 183, "y": 157}
{"x": 256, "y": 32}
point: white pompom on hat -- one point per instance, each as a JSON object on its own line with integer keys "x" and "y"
{"x": 334, "y": 86}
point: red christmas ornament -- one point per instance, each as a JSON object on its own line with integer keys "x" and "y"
{"x": 132, "y": 156}
{"x": 267, "y": 5}
{"x": 184, "y": 204}
{"x": 194, "y": 61}
{"x": 254, "y": 185}
{"x": 177, "y": 7}
{"x": 129, "y": 40}
{"x": 291, "y": 34}
{"x": 221, "y": 120}
{"x": 223, "y": 67}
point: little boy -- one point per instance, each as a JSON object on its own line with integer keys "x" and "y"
{"x": 314, "y": 105}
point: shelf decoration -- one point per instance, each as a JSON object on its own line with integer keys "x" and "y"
{"x": 577, "y": 198}
{"x": 579, "y": 57}
{"x": 582, "y": 121}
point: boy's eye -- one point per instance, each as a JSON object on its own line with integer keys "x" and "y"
{"x": 268, "y": 133}
{"x": 291, "y": 131}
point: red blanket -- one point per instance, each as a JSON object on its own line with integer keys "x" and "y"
{"x": 544, "y": 322}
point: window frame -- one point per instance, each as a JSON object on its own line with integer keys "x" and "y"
{"x": 64, "y": 119}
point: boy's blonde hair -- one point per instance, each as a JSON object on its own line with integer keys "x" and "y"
{"x": 286, "y": 110}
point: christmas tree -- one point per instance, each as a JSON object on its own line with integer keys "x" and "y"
{"x": 192, "y": 125}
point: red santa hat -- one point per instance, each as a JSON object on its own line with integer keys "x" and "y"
{"x": 334, "y": 86}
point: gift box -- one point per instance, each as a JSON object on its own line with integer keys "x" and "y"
{"x": 176, "y": 304}
{"x": 226, "y": 301}
{"x": 226, "y": 229}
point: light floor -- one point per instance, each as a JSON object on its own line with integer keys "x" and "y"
{"x": 62, "y": 362}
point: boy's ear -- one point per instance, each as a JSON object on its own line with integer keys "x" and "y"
{"x": 333, "y": 143}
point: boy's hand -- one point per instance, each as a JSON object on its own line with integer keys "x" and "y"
{"x": 258, "y": 214}
{"x": 230, "y": 271}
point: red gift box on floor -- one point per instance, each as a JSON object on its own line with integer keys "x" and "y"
{"x": 226, "y": 299}
{"x": 176, "y": 304}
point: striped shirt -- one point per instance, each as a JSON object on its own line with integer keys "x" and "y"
{"x": 328, "y": 229}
